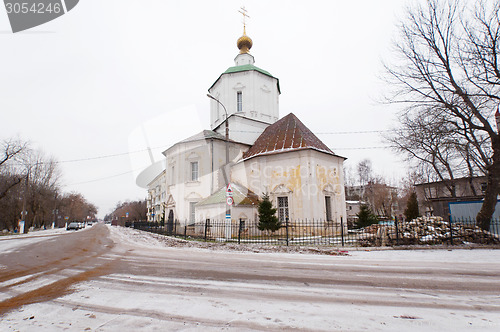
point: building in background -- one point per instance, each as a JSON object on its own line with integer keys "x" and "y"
{"x": 156, "y": 198}
{"x": 352, "y": 210}
{"x": 382, "y": 199}
{"x": 434, "y": 197}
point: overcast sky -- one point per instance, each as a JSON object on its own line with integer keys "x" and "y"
{"x": 79, "y": 87}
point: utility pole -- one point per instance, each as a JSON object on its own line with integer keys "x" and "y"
{"x": 224, "y": 169}
{"x": 22, "y": 226}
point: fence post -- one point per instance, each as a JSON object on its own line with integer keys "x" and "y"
{"x": 342, "y": 230}
{"x": 239, "y": 230}
{"x": 185, "y": 231}
{"x": 286, "y": 226}
{"x": 397, "y": 231}
{"x": 332, "y": 240}
{"x": 206, "y": 229}
{"x": 451, "y": 230}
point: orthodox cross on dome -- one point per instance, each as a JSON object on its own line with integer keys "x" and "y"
{"x": 243, "y": 12}
{"x": 244, "y": 43}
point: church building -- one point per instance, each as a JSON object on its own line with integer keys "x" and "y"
{"x": 253, "y": 151}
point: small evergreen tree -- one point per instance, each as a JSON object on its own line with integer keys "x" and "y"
{"x": 365, "y": 217}
{"x": 267, "y": 216}
{"x": 411, "y": 211}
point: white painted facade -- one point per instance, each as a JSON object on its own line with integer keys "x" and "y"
{"x": 193, "y": 172}
{"x": 307, "y": 178}
{"x": 218, "y": 211}
{"x": 156, "y": 198}
{"x": 242, "y": 129}
{"x": 244, "y": 59}
{"x": 259, "y": 94}
{"x": 248, "y": 92}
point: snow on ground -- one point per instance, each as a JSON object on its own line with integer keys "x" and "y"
{"x": 35, "y": 233}
{"x": 451, "y": 254}
{"x": 383, "y": 254}
{"x": 137, "y": 301}
{"x": 9, "y": 243}
{"x": 151, "y": 240}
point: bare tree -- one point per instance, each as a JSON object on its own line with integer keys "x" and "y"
{"x": 74, "y": 207}
{"x": 29, "y": 181}
{"x": 136, "y": 211}
{"x": 431, "y": 146}
{"x": 449, "y": 77}
{"x": 365, "y": 171}
{"x": 44, "y": 177}
{"x": 11, "y": 151}
{"x": 349, "y": 176}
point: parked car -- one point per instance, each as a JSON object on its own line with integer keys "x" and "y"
{"x": 73, "y": 225}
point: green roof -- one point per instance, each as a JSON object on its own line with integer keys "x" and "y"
{"x": 248, "y": 67}
{"x": 241, "y": 196}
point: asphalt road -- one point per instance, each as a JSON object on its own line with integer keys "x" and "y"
{"x": 112, "y": 279}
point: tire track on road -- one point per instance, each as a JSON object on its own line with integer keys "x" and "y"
{"x": 81, "y": 251}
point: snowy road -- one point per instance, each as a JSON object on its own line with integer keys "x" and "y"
{"x": 116, "y": 279}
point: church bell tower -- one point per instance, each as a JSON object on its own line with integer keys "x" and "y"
{"x": 249, "y": 94}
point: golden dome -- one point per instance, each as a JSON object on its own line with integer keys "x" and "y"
{"x": 244, "y": 43}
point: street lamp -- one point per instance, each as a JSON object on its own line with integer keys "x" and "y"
{"x": 227, "y": 126}
{"x": 228, "y": 207}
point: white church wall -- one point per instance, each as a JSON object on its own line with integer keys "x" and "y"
{"x": 185, "y": 191}
{"x": 329, "y": 176}
{"x": 244, "y": 59}
{"x": 217, "y": 212}
{"x": 243, "y": 130}
{"x": 218, "y": 227}
{"x": 304, "y": 177}
{"x": 260, "y": 97}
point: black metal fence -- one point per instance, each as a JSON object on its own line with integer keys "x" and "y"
{"x": 318, "y": 232}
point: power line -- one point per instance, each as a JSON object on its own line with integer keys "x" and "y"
{"x": 108, "y": 156}
{"x": 353, "y": 132}
{"x": 104, "y": 178}
{"x": 324, "y": 133}
{"x": 364, "y": 148}
{"x": 128, "y": 172}
{"x": 240, "y": 131}
{"x": 90, "y": 158}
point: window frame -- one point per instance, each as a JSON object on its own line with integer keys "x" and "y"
{"x": 239, "y": 101}
{"x": 283, "y": 211}
{"x": 194, "y": 172}
{"x": 192, "y": 212}
{"x": 328, "y": 208}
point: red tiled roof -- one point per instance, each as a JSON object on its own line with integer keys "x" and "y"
{"x": 287, "y": 134}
